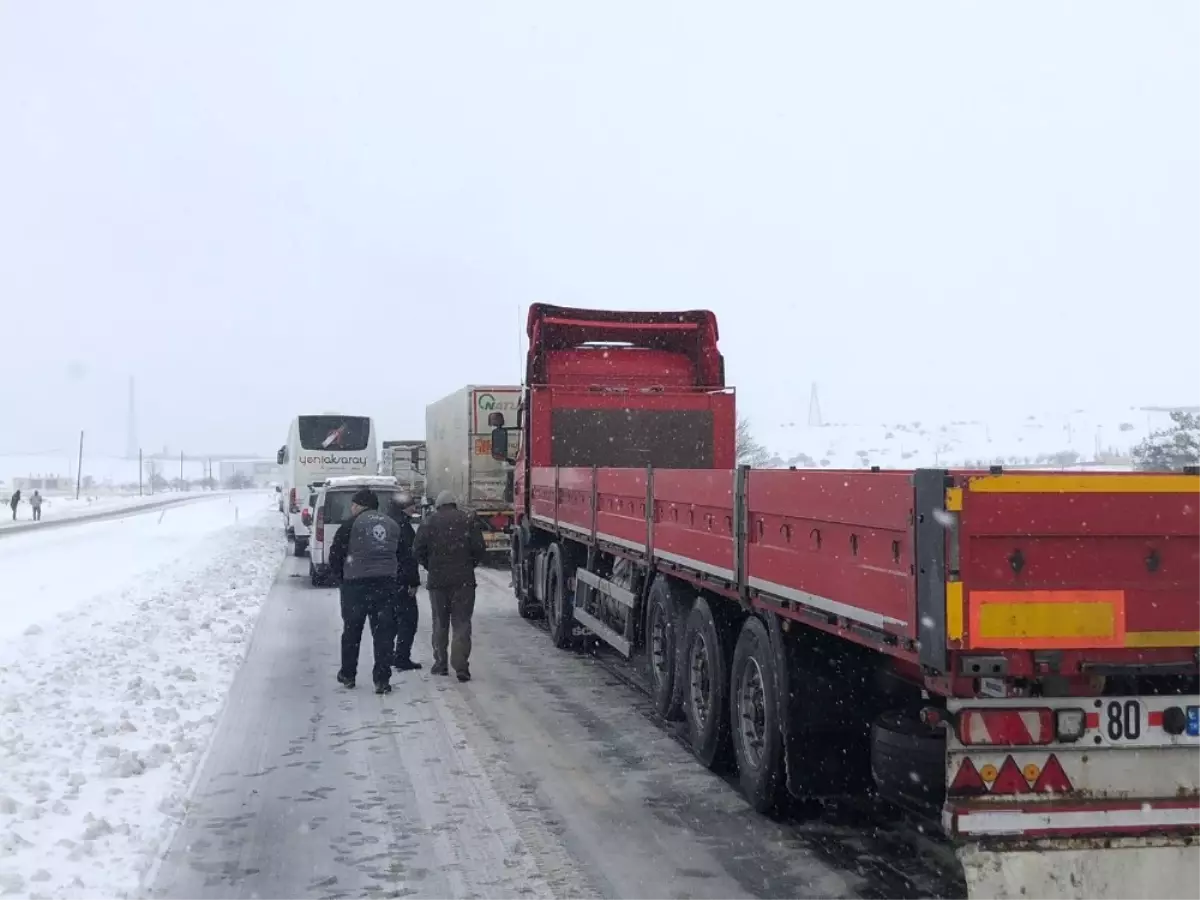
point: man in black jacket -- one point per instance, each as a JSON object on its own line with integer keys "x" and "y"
{"x": 408, "y": 579}
{"x": 450, "y": 546}
{"x": 364, "y": 558}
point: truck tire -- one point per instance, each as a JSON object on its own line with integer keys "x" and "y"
{"x": 754, "y": 717}
{"x": 705, "y": 670}
{"x": 664, "y": 622}
{"x": 560, "y": 605}
{"x": 527, "y": 605}
{"x": 908, "y": 759}
{"x": 300, "y": 546}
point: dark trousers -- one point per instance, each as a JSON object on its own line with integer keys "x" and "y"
{"x": 37, "y": 514}
{"x": 452, "y": 608}
{"x": 368, "y": 598}
{"x": 407, "y": 616}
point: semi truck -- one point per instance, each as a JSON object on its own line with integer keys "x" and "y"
{"x": 406, "y": 462}
{"x": 457, "y": 434}
{"x": 1015, "y": 654}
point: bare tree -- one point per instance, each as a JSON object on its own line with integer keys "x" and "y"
{"x": 749, "y": 451}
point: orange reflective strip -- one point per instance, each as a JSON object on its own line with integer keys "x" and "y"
{"x": 1046, "y": 620}
{"x": 1162, "y": 639}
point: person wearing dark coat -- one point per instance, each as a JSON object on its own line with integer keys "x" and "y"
{"x": 408, "y": 580}
{"x": 450, "y": 546}
{"x": 14, "y": 502}
{"x": 363, "y": 558}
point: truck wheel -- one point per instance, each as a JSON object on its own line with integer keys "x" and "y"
{"x": 755, "y": 717}
{"x": 300, "y": 546}
{"x": 706, "y": 687}
{"x": 527, "y": 606}
{"x": 908, "y": 759}
{"x": 560, "y": 606}
{"x": 663, "y": 623}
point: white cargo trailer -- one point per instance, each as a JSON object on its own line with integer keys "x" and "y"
{"x": 459, "y": 459}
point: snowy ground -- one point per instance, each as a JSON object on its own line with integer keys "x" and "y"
{"x": 117, "y": 645}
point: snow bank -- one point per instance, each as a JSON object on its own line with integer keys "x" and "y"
{"x": 107, "y": 711}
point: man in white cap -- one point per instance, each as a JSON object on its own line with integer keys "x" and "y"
{"x": 450, "y": 546}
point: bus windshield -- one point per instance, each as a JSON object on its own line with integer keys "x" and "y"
{"x": 348, "y": 433}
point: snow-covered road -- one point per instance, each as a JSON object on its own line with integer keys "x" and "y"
{"x": 118, "y": 643}
{"x": 60, "y": 510}
{"x": 539, "y": 778}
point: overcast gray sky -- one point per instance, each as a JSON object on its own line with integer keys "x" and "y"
{"x": 262, "y": 209}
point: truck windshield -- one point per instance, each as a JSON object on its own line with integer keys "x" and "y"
{"x": 334, "y": 432}
{"x": 631, "y": 438}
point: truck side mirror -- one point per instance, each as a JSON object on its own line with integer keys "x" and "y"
{"x": 278, "y": 489}
{"x": 414, "y": 457}
{"x": 281, "y": 456}
{"x": 499, "y": 444}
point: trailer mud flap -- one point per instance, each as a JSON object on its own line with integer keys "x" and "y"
{"x": 1106, "y": 869}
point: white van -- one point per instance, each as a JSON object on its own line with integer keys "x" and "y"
{"x": 331, "y": 509}
{"x": 318, "y": 448}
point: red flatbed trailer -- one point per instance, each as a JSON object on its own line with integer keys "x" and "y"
{"x": 1018, "y": 650}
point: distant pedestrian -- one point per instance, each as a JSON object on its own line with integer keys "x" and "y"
{"x": 450, "y": 546}
{"x": 363, "y": 558}
{"x": 14, "y": 502}
{"x": 408, "y": 580}
{"x": 35, "y": 503}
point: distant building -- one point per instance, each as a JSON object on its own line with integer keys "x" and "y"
{"x": 260, "y": 471}
{"x": 47, "y": 484}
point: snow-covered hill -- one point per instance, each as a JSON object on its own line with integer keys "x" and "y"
{"x": 1036, "y": 439}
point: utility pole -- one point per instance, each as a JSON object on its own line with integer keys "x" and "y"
{"x": 139, "y": 471}
{"x": 181, "y": 470}
{"x": 814, "y": 408}
{"x": 79, "y": 468}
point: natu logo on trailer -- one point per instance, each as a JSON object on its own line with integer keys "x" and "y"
{"x": 489, "y": 403}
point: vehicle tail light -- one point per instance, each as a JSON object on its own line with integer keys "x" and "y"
{"x": 320, "y": 526}
{"x": 1052, "y": 779}
{"x": 306, "y": 516}
{"x": 1005, "y": 727}
{"x": 1010, "y": 779}
{"x": 968, "y": 780}
{"x": 1070, "y": 724}
{"x": 499, "y": 523}
{"x": 295, "y": 507}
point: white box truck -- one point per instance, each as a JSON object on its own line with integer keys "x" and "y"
{"x": 458, "y": 431}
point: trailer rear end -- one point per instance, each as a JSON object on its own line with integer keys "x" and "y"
{"x": 1073, "y": 750}
{"x": 457, "y": 432}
